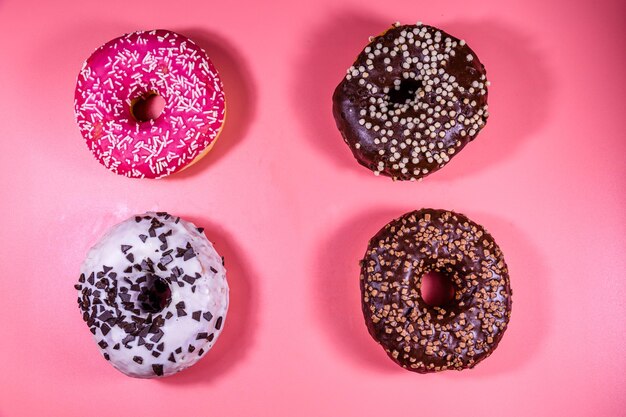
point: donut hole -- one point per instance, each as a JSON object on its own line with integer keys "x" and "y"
{"x": 437, "y": 289}
{"x": 154, "y": 295}
{"x": 148, "y": 107}
{"x": 405, "y": 91}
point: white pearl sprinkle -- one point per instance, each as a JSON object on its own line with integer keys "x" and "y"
{"x": 423, "y": 55}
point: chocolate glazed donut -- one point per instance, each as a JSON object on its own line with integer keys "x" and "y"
{"x": 414, "y": 97}
{"x": 424, "y": 338}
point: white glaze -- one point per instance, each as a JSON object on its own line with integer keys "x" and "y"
{"x": 211, "y": 293}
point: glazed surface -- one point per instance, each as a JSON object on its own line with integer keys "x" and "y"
{"x": 414, "y": 97}
{"x": 424, "y": 338}
{"x": 154, "y": 294}
{"x": 134, "y": 67}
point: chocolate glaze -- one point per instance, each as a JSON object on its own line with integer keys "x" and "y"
{"x": 424, "y": 338}
{"x": 422, "y": 59}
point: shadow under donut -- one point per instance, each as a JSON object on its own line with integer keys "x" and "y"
{"x": 327, "y": 52}
{"x": 51, "y": 82}
{"x": 337, "y": 295}
{"x": 239, "y": 91}
{"x": 519, "y": 98}
{"x": 237, "y": 337}
{"x": 532, "y": 295}
{"x": 336, "y": 292}
{"x": 55, "y": 71}
{"x": 520, "y": 95}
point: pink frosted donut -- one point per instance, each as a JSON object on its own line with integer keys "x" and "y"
{"x": 132, "y": 68}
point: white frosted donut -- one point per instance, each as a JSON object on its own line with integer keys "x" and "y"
{"x": 153, "y": 292}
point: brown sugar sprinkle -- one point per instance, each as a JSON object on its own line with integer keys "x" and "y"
{"x": 424, "y": 338}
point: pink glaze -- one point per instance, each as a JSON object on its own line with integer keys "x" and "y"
{"x": 135, "y": 66}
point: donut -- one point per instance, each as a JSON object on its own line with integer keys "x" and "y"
{"x": 125, "y": 72}
{"x": 424, "y": 338}
{"x": 154, "y": 294}
{"x": 414, "y": 97}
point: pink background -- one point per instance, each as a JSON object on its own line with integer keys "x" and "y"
{"x": 284, "y": 201}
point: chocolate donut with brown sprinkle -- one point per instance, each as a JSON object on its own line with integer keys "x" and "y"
{"x": 414, "y": 97}
{"x": 424, "y": 338}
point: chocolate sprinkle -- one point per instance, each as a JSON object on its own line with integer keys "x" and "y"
{"x": 166, "y": 260}
{"x": 158, "y": 369}
{"x": 180, "y": 309}
{"x": 157, "y": 337}
{"x": 189, "y": 254}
